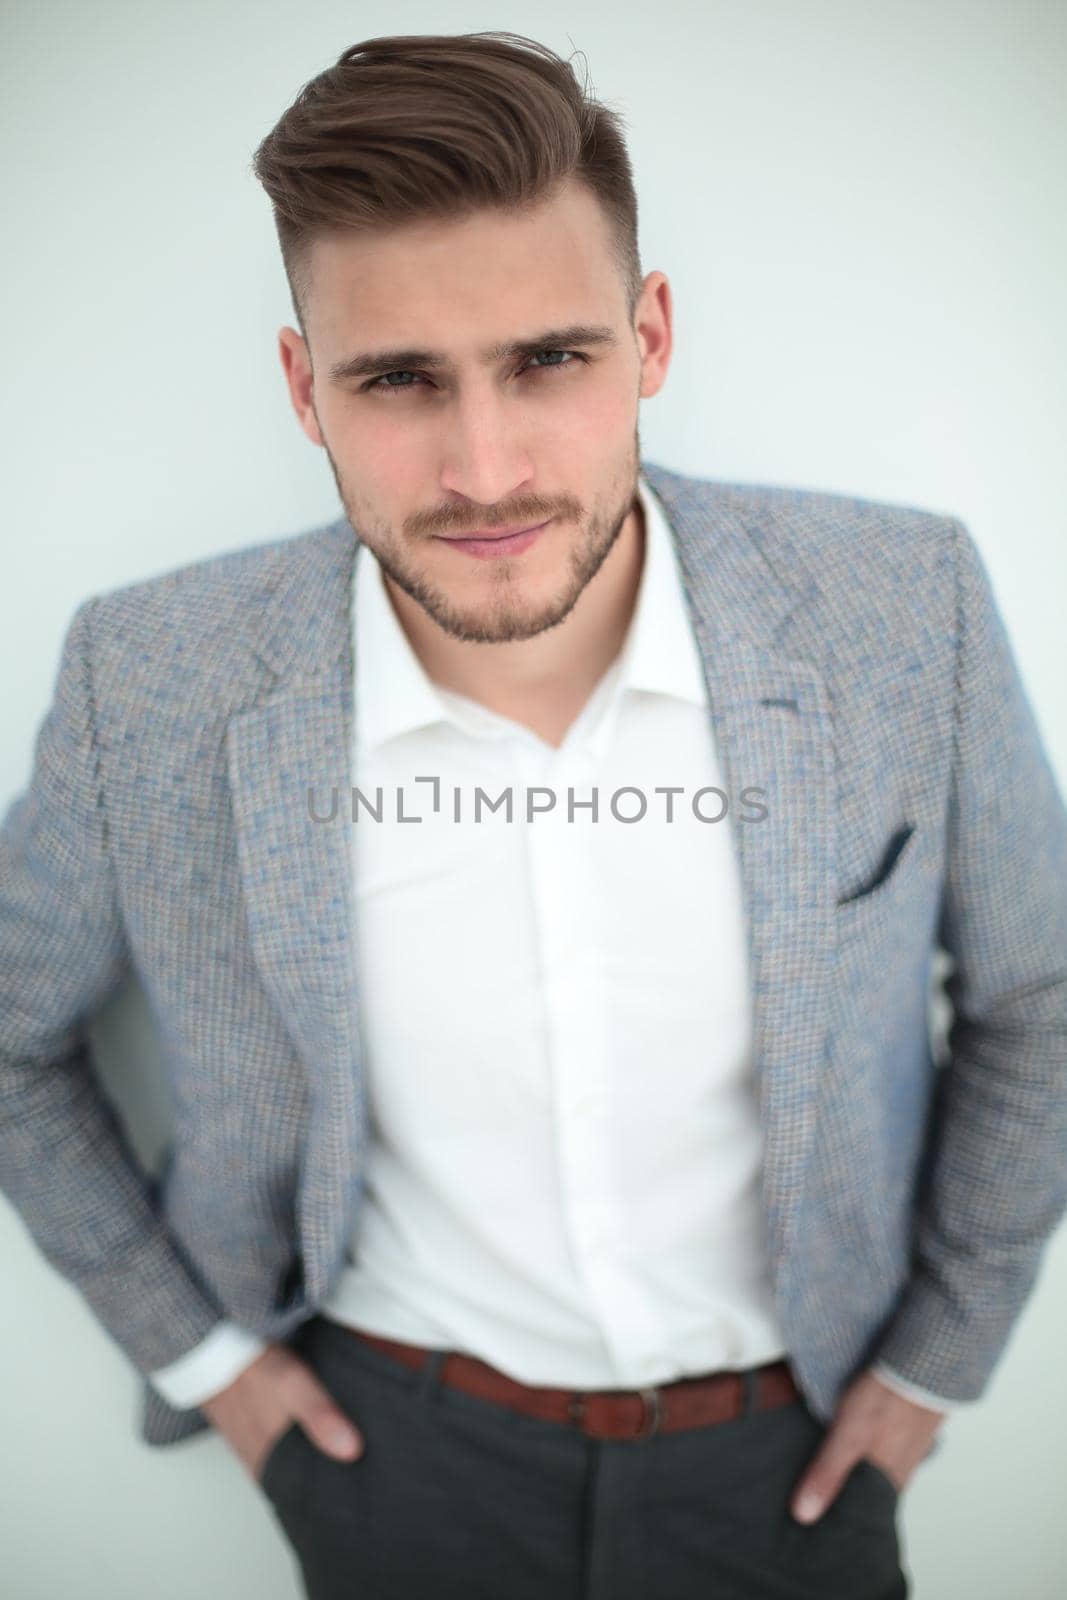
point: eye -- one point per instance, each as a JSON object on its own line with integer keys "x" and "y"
{"x": 538, "y": 353}
{"x": 381, "y": 386}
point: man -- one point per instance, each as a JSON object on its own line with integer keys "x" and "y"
{"x": 557, "y": 1199}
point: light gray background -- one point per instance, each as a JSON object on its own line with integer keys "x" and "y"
{"x": 860, "y": 207}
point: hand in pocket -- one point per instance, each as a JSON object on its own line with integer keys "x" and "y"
{"x": 262, "y": 1403}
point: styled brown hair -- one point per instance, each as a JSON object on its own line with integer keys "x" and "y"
{"x": 441, "y": 125}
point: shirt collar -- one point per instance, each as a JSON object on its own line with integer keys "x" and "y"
{"x": 394, "y": 694}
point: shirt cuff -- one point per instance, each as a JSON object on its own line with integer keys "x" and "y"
{"x": 209, "y": 1366}
{"x": 912, "y": 1391}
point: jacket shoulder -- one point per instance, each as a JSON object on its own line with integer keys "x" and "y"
{"x": 188, "y": 628}
{"x": 822, "y": 521}
{"x": 886, "y": 572}
{"x": 892, "y": 563}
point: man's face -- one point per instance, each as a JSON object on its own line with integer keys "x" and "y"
{"x": 422, "y": 451}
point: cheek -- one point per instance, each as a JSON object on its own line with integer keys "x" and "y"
{"x": 368, "y": 448}
{"x": 591, "y": 419}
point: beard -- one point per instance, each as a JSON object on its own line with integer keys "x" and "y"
{"x": 507, "y": 613}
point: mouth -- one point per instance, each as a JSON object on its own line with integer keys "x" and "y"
{"x": 496, "y": 542}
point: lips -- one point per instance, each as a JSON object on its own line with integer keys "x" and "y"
{"x": 494, "y": 533}
{"x": 498, "y": 544}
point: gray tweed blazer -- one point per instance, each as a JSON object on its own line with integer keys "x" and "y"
{"x": 858, "y": 672}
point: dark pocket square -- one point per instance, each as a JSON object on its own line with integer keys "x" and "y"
{"x": 885, "y": 866}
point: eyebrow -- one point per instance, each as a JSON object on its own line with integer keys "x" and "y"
{"x": 369, "y": 362}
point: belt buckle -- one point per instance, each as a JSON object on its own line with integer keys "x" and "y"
{"x": 651, "y": 1412}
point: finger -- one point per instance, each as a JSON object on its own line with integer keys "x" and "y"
{"x": 324, "y": 1422}
{"x": 329, "y": 1429}
{"x": 822, "y": 1481}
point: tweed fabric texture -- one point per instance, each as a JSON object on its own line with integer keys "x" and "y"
{"x": 858, "y": 672}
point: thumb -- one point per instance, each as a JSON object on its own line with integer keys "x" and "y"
{"x": 324, "y": 1422}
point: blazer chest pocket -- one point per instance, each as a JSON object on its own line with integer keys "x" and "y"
{"x": 862, "y": 906}
{"x": 889, "y": 863}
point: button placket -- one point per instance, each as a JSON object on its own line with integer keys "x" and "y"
{"x": 560, "y": 856}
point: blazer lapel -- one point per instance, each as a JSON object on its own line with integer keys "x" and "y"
{"x": 773, "y": 731}
{"x": 289, "y": 761}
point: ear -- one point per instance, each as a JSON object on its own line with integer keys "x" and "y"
{"x": 296, "y": 364}
{"x": 652, "y": 327}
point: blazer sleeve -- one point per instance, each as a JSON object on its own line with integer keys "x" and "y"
{"x": 911, "y": 1391}
{"x": 65, "y": 1162}
{"x": 211, "y": 1366}
{"x": 994, "y": 1177}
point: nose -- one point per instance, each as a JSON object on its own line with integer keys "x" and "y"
{"x": 486, "y": 466}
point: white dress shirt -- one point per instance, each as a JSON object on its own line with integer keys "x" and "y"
{"x": 555, "y": 1018}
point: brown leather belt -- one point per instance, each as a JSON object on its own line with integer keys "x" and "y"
{"x": 694, "y": 1402}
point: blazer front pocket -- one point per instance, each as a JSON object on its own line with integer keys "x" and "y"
{"x": 871, "y": 904}
{"x": 889, "y": 863}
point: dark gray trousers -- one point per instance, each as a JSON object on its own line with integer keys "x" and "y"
{"x": 459, "y": 1497}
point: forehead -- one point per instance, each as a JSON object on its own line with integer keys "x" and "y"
{"x": 505, "y": 271}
